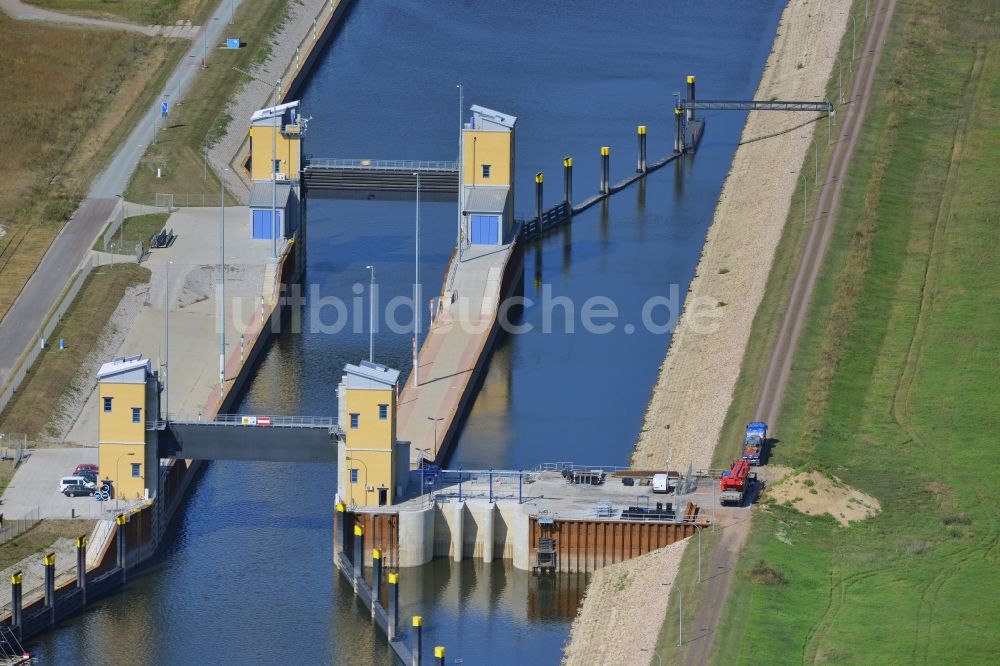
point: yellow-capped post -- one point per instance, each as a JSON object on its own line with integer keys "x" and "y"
{"x": 539, "y": 180}
{"x": 690, "y": 113}
{"x": 393, "y": 611}
{"x": 568, "y": 181}
{"x": 640, "y": 165}
{"x": 605, "y": 169}
{"x": 678, "y": 130}
{"x": 50, "y": 585}
{"x": 15, "y": 603}
{"x": 81, "y": 566}
{"x": 439, "y": 655}
{"x": 359, "y": 554}
{"x": 376, "y": 578}
{"x": 417, "y": 639}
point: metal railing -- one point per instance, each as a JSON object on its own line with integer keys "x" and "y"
{"x": 380, "y": 165}
{"x": 13, "y": 528}
{"x": 246, "y": 420}
{"x": 756, "y": 105}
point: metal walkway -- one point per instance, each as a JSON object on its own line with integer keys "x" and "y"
{"x": 297, "y": 439}
{"x": 756, "y": 105}
{"x": 328, "y": 174}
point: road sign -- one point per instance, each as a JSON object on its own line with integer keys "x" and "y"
{"x": 250, "y": 420}
{"x": 263, "y": 420}
{"x": 164, "y": 108}
{"x": 233, "y": 43}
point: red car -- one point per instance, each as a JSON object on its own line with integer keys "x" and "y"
{"x": 86, "y": 468}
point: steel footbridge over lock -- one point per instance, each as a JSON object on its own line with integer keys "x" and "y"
{"x": 286, "y": 439}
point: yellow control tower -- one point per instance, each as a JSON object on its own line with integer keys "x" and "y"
{"x": 372, "y": 465}
{"x": 487, "y": 178}
{"x": 128, "y": 400}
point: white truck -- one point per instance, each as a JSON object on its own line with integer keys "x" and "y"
{"x": 661, "y": 483}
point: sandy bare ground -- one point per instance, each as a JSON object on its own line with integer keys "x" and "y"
{"x": 696, "y": 380}
{"x": 814, "y": 494}
{"x": 611, "y": 627}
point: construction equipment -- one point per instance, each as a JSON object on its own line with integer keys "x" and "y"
{"x": 753, "y": 442}
{"x": 736, "y": 482}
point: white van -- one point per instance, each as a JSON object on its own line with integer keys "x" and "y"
{"x": 661, "y": 484}
{"x": 74, "y": 481}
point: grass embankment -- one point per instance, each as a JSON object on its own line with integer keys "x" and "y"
{"x": 133, "y": 230}
{"x": 893, "y": 388}
{"x": 143, "y": 12}
{"x": 40, "y": 537}
{"x": 69, "y": 104}
{"x": 180, "y": 148}
{"x": 55, "y": 370}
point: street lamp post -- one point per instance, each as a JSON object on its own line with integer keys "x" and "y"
{"x": 222, "y": 278}
{"x": 854, "y": 38}
{"x": 371, "y": 316}
{"x": 815, "y": 159}
{"x": 166, "y": 344}
{"x": 435, "y": 420}
{"x": 461, "y": 173}
{"x": 416, "y": 292}
{"x": 274, "y": 171}
{"x": 118, "y": 476}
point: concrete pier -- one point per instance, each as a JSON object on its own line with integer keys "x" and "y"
{"x": 456, "y": 350}
{"x": 591, "y": 526}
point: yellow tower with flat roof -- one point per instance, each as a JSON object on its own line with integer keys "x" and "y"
{"x": 487, "y": 178}
{"x": 371, "y": 462}
{"x": 128, "y": 401}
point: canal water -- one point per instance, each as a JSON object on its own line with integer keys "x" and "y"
{"x": 247, "y": 575}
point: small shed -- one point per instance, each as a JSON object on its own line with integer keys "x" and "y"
{"x": 485, "y": 209}
{"x": 283, "y": 197}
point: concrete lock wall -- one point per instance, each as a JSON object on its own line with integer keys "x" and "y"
{"x": 416, "y": 537}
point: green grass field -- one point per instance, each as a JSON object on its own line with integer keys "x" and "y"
{"x": 55, "y": 370}
{"x": 894, "y": 388}
{"x": 134, "y": 230}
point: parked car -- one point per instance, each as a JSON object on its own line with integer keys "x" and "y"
{"x": 90, "y": 476}
{"x": 86, "y": 467}
{"x": 74, "y": 481}
{"x": 78, "y": 489}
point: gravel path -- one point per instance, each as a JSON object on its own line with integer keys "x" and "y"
{"x": 696, "y": 380}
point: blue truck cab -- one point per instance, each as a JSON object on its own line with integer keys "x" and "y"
{"x": 753, "y": 443}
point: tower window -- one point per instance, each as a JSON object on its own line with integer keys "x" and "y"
{"x": 107, "y": 404}
{"x": 137, "y": 415}
{"x": 383, "y": 412}
{"x": 486, "y": 171}
{"x": 355, "y": 417}
{"x": 136, "y": 470}
{"x": 354, "y": 475}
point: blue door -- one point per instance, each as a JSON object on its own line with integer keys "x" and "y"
{"x": 261, "y": 227}
{"x": 484, "y": 229}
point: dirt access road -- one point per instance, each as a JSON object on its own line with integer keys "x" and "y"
{"x": 768, "y": 407}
